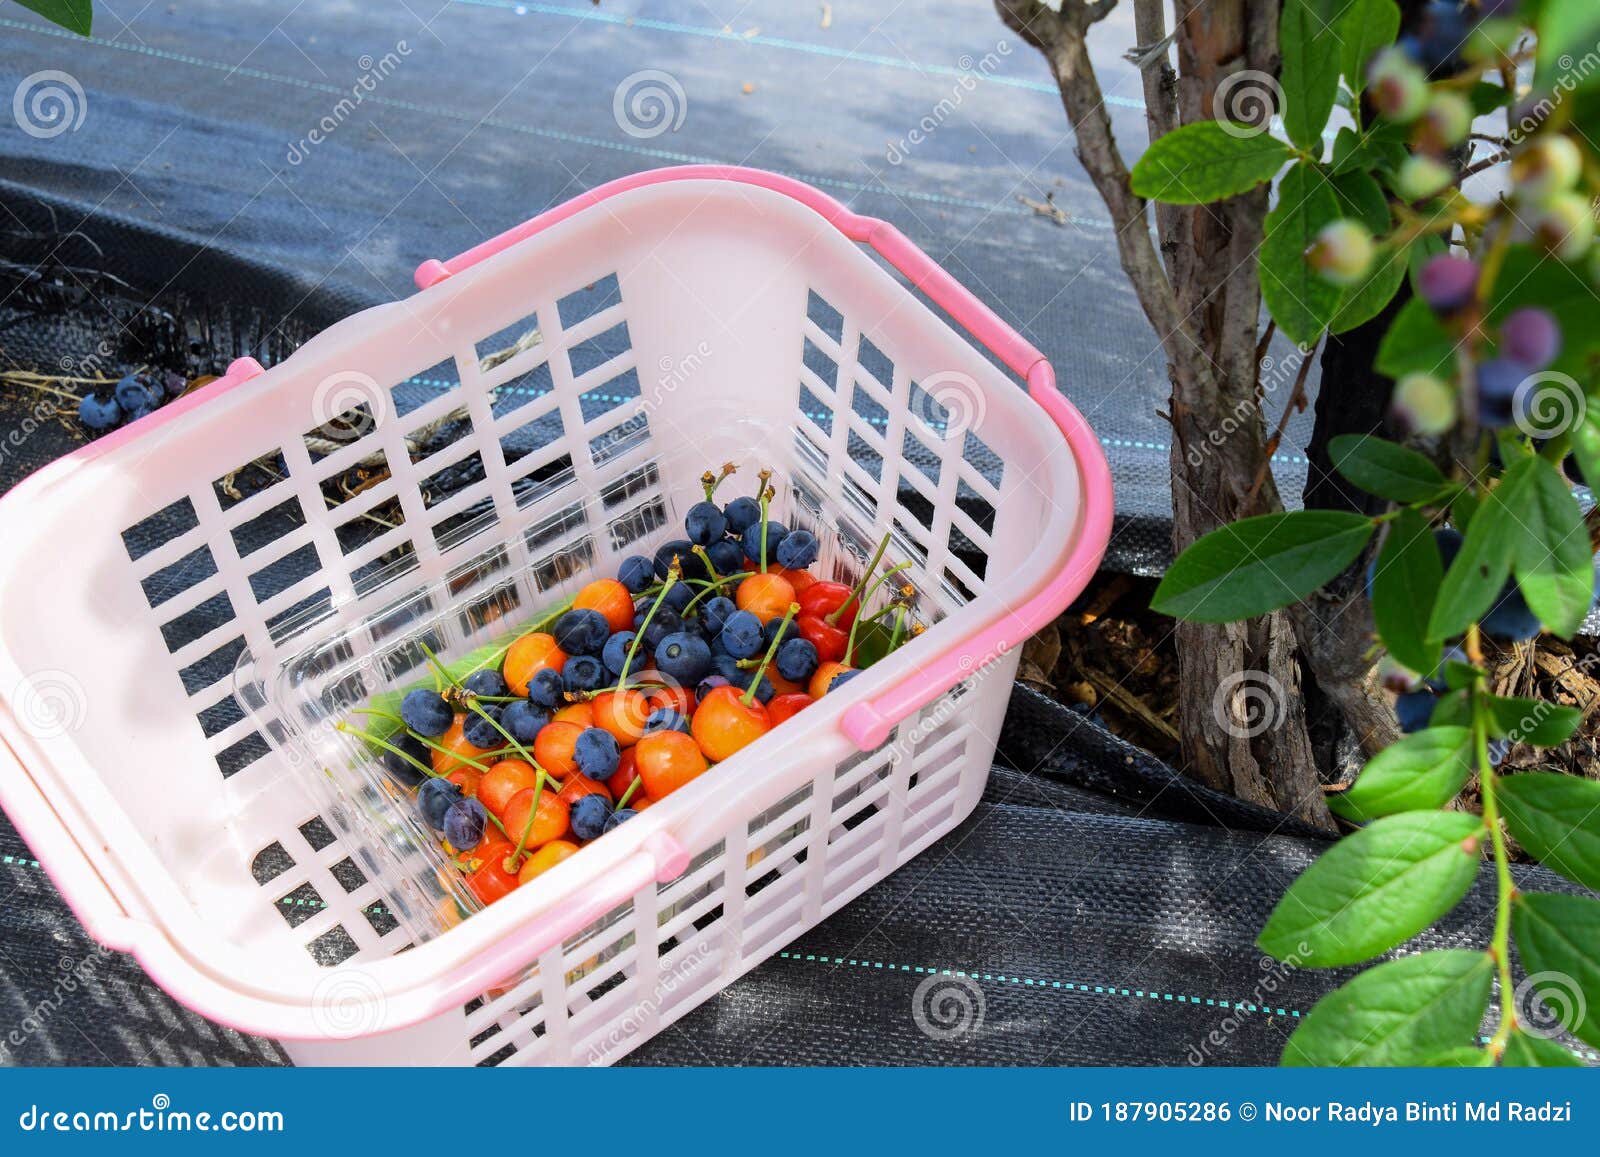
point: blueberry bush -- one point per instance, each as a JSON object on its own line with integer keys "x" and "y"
{"x": 1487, "y": 310}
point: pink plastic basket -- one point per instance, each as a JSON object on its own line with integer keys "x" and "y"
{"x": 758, "y": 329}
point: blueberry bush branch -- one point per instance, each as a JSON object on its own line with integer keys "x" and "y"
{"x": 1480, "y": 539}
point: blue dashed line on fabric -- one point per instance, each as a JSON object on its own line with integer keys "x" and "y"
{"x": 725, "y": 34}
{"x": 528, "y": 130}
{"x": 1164, "y": 448}
{"x": 1062, "y": 985}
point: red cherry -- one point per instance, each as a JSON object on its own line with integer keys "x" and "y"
{"x": 829, "y": 640}
{"x": 785, "y": 707}
{"x": 821, "y": 599}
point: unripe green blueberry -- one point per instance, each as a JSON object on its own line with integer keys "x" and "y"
{"x": 1545, "y": 167}
{"x": 1492, "y": 40}
{"x": 1565, "y": 226}
{"x": 1422, "y": 404}
{"x": 1446, "y": 121}
{"x": 1422, "y": 177}
{"x": 1342, "y": 252}
{"x": 1397, "y": 85}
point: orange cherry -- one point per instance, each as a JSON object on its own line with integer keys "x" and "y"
{"x": 784, "y": 707}
{"x": 454, "y": 741}
{"x": 580, "y": 713}
{"x": 823, "y": 679}
{"x": 627, "y": 771}
{"x": 576, "y": 785}
{"x": 553, "y": 748}
{"x": 766, "y": 596}
{"x": 546, "y": 858}
{"x": 550, "y": 823}
{"x": 467, "y": 779}
{"x": 680, "y": 699}
{"x": 800, "y": 580}
{"x": 780, "y": 685}
{"x": 668, "y": 760}
{"x": 724, "y": 723}
{"x": 611, "y": 599}
{"x": 527, "y": 657}
{"x": 504, "y": 780}
{"x": 622, "y": 713}
{"x": 640, "y": 801}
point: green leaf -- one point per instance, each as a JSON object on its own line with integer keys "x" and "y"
{"x": 1416, "y": 342}
{"x": 1360, "y": 196}
{"x": 1532, "y": 277}
{"x": 1480, "y": 569}
{"x": 1585, "y": 438}
{"x": 1300, "y": 300}
{"x": 1452, "y": 710}
{"x": 1367, "y": 25}
{"x": 1552, "y": 560}
{"x": 1526, "y": 1051}
{"x": 1207, "y": 161}
{"x": 1400, "y": 1013}
{"x": 1536, "y": 721}
{"x": 1259, "y": 564}
{"x": 1568, "y": 31}
{"x": 74, "y": 15}
{"x": 1361, "y": 303}
{"x": 1381, "y": 145}
{"x": 1385, "y": 468}
{"x": 1462, "y": 1057}
{"x": 1560, "y": 935}
{"x": 1557, "y": 819}
{"x": 1310, "y": 73}
{"x": 1486, "y": 97}
{"x": 1423, "y": 770}
{"x": 1405, "y": 582}
{"x": 1375, "y": 889}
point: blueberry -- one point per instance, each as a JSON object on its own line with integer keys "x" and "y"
{"x": 434, "y": 799}
{"x": 581, "y": 632}
{"x": 1530, "y": 337}
{"x": 464, "y": 824}
{"x": 486, "y": 682}
{"x": 1440, "y": 32}
{"x": 1447, "y": 282}
{"x": 709, "y": 684}
{"x": 589, "y": 817}
{"x": 690, "y": 564}
{"x": 1448, "y": 540}
{"x": 715, "y": 612}
{"x": 797, "y": 660}
{"x": 664, "y": 622}
{"x": 1498, "y": 380}
{"x": 1510, "y": 620}
{"x": 636, "y": 573}
{"x": 545, "y": 689}
{"x": 401, "y": 770}
{"x": 596, "y": 753}
{"x": 479, "y": 727}
{"x": 172, "y": 384}
{"x": 426, "y": 712}
{"x": 615, "y": 653}
{"x": 742, "y": 513}
{"x": 1498, "y": 750}
{"x": 133, "y": 394}
{"x": 583, "y": 673}
{"x": 678, "y": 596}
{"x": 99, "y": 414}
{"x": 727, "y": 556}
{"x": 1414, "y": 709}
{"x": 141, "y": 412}
{"x": 684, "y": 657}
{"x": 776, "y": 533}
{"x": 620, "y": 817}
{"x": 1437, "y": 682}
{"x": 666, "y": 719}
{"x": 798, "y": 550}
{"x": 524, "y": 721}
{"x": 779, "y": 631}
{"x": 741, "y": 635}
{"x": 841, "y": 679}
{"x": 705, "y": 523}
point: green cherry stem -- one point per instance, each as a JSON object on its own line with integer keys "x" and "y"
{"x": 766, "y": 493}
{"x": 430, "y": 744}
{"x": 526, "y": 755}
{"x": 638, "y": 636}
{"x": 627, "y": 795}
{"x": 832, "y": 618}
{"x": 387, "y": 746}
{"x": 1505, "y": 887}
{"x": 715, "y": 588}
{"x": 772, "y": 649}
{"x": 513, "y": 862}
